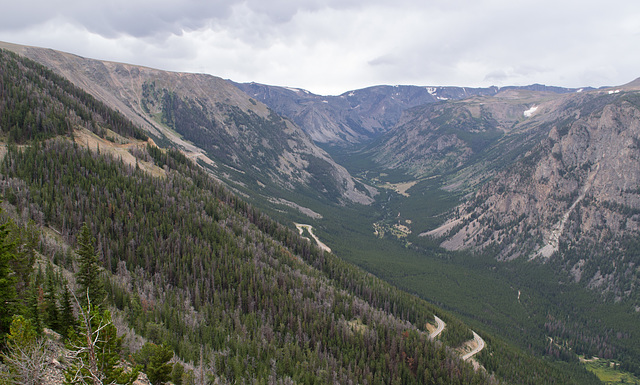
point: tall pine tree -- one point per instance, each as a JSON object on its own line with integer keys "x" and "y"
{"x": 66, "y": 317}
{"x": 88, "y": 274}
{"x": 52, "y": 313}
{"x": 8, "y": 296}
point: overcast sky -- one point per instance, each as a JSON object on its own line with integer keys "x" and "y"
{"x": 332, "y": 46}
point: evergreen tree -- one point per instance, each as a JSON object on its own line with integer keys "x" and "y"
{"x": 176, "y": 373}
{"x": 26, "y": 356}
{"x": 67, "y": 320}
{"x": 8, "y": 296}
{"x": 154, "y": 360}
{"x": 88, "y": 274}
{"x": 52, "y": 313}
{"x": 33, "y": 310}
{"x": 159, "y": 368}
{"x": 26, "y": 240}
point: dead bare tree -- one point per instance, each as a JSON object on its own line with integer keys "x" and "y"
{"x": 94, "y": 353}
{"x": 84, "y": 357}
{"x": 26, "y": 363}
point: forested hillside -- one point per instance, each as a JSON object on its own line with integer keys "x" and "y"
{"x": 192, "y": 268}
{"x": 245, "y": 144}
{"x": 190, "y": 265}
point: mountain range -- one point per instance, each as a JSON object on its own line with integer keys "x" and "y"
{"x": 571, "y": 192}
{"x": 172, "y": 260}
{"x": 519, "y": 182}
{"x": 238, "y": 139}
{"x": 358, "y": 116}
{"x": 550, "y": 170}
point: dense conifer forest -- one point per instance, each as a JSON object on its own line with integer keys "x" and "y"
{"x": 195, "y": 271}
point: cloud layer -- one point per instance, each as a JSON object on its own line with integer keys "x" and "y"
{"x": 331, "y": 46}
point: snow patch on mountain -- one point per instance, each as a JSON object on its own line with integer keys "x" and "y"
{"x": 530, "y": 111}
{"x": 296, "y": 90}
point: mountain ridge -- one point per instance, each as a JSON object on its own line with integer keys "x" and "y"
{"x": 574, "y": 188}
{"x": 356, "y": 117}
{"x": 231, "y": 119}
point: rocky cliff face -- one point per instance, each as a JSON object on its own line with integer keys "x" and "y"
{"x": 470, "y": 138}
{"x": 240, "y": 139}
{"x": 573, "y": 199}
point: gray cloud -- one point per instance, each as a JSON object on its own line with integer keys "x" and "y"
{"x": 383, "y": 60}
{"x": 144, "y": 18}
{"x": 330, "y": 46}
{"x": 497, "y": 76}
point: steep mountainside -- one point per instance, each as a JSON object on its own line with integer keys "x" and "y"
{"x": 470, "y": 137}
{"x": 358, "y": 116}
{"x": 573, "y": 198}
{"x": 188, "y": 264}
{"x": 184, "y": 262}
{"x": 239, "y": 139}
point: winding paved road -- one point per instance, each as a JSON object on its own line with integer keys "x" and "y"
{"x": 310, "y": 229}
{"x": 439, "y": 329}
{"x": 478, "y": 348}
{"x": 441, "y": 325}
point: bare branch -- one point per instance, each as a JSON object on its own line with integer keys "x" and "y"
{"x": 27, "y": 364}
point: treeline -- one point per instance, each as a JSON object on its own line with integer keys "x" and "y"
{"x": 240, "y": 139}
{"x": 36, "y": 103}
{"x": 225, "y": 139}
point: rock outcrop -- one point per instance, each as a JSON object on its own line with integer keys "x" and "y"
{"x": 573, "y": 198}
